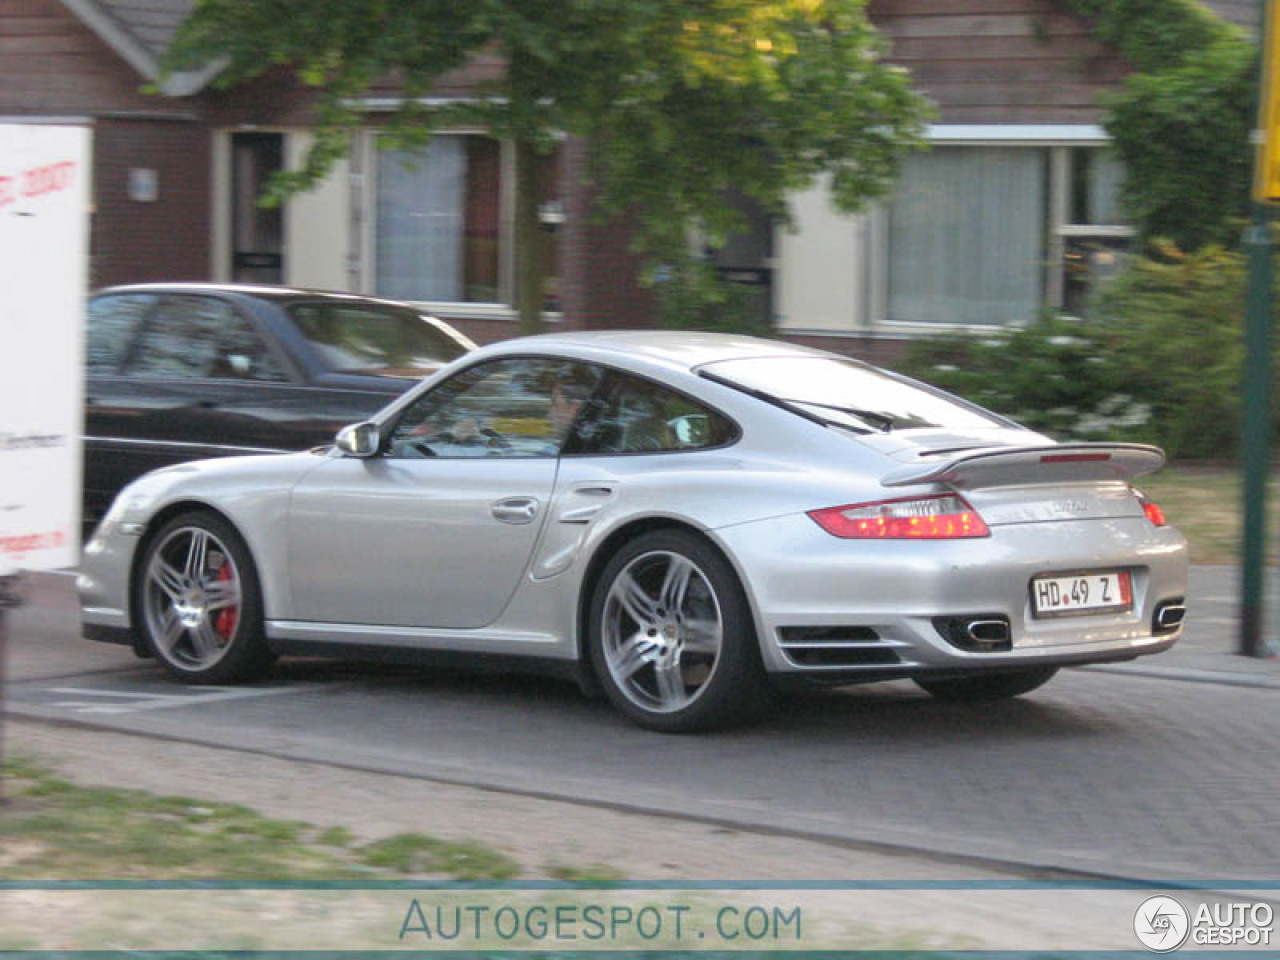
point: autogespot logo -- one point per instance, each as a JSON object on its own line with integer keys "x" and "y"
{"x": 1161, "y": 923}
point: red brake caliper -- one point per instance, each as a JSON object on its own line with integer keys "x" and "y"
{"x": 225, "y": 622}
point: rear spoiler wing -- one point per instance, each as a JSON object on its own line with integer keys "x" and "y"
{"x": 1013, "y": 466}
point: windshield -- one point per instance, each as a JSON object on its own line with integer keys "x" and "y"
{"x": 367, "y": 338}
{"x": 848, "y": 393}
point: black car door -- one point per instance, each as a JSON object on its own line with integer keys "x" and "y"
{"x": 112, "y": 456}
{"x": 204, "y": 381}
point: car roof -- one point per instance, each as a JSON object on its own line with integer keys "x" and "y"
{"x": 259, "y": 291}
{"x": 682, "y": 349}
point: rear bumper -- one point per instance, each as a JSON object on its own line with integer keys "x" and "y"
{"x": 881, "y": 598}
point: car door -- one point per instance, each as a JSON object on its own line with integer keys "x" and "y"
{"x": 437, "y": 529}
{"x": 201, "y": 381}
{"x": 111, "y": 443}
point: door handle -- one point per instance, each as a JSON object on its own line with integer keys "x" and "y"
{"x": 515, "y": 509}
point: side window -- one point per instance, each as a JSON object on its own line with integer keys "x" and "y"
{"x": 637, "y": 416}
{"x": 201, "y": 337}
{"x": 520, "y": 407}
{"x": 360, "y": 339}
{"x": 113, "y": 320}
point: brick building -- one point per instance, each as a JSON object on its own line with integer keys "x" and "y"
{"x": 1013, "y": 209}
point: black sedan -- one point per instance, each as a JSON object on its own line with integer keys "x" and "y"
{"x": 179, "y": 372}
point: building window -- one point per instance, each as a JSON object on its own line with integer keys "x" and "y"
{"x": 438, "y": 233}
{"x": 967, "y": 233}
{"x": 1095, "y": 239}
{"x": 442, "y": 227}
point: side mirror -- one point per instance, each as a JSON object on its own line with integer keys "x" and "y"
{"x": 358, "y": 439}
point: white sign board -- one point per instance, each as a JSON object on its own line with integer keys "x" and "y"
{"x": 44, "y": 225}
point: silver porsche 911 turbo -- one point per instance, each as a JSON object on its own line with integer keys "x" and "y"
{"x": 681, "y": 520}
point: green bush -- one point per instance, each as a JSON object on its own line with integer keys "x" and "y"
{"x": 1180, "y": 123}
{"x": 1158, "y": 361}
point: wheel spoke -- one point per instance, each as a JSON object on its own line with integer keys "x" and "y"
{"x": 675, "y": 584}
{"x": 170, "y": 628}
{"x": 638, "y": 605}
{"x": 662, "y": 635}
{"x": 196, "y": 551}
{"x": 700, "y": 636}
{"x": 670, "y": 683}
{"x": 167, "y": 578}
{"x": 631, "y": 656}
{"x": 204, "y": 640}
{"x": 221, "y": 594}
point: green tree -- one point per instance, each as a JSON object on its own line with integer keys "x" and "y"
{"x": 683, "y": 100}
{"x": 1181, "y": 121}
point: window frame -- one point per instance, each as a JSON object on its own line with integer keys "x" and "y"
{"x": 365, "y": 158}
{"x": 870, "y": 317}
{"x": 592, "y": 403}
{"x": 392, "y": 423}
{"x": 1058, "y": 140}
{"x": 597, "y": 400}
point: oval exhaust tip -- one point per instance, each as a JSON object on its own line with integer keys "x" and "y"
{"x": 988, "y": 631}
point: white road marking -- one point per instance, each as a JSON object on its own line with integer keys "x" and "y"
{"x": 134, "y": 702}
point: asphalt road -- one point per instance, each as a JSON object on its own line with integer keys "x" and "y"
{"x": 1107, "y": 772}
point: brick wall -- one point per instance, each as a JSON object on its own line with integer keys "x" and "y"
{"x": 165, "y": 240}
{"x": 600, "y": 276}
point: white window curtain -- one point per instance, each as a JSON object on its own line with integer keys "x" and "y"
{"x": 967, "y": 235}
{"x": 1106, "y": 174}
{"x": 420, "y": 221}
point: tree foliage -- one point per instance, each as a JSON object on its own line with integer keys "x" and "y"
{"x": 1181, "y": 122}
{"x": 683, "y": 99}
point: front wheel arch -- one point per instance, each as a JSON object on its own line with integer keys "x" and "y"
{"x": 154, "y": 525}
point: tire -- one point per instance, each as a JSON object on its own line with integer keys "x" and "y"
{"x": 655, "y": 666}
{"x": 993, "y": 686}
{"x": 198, "y": 604}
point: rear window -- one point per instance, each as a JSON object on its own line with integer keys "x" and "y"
{"x": 831, "y": 387}
{"x": 370, "y": 339}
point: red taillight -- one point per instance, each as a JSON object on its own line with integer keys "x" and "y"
{"x": 1154, "y": 513}
{"x": 946, "y": 517}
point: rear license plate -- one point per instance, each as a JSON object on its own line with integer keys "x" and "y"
{"x": 1095, "y": 592}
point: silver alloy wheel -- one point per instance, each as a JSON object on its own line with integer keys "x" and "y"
{"x": 192, "y": 598}
{"x": 662, "y": 631}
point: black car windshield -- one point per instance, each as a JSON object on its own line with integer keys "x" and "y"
{"x": 368, "y": 338}
{"x": 847, "y": 393}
